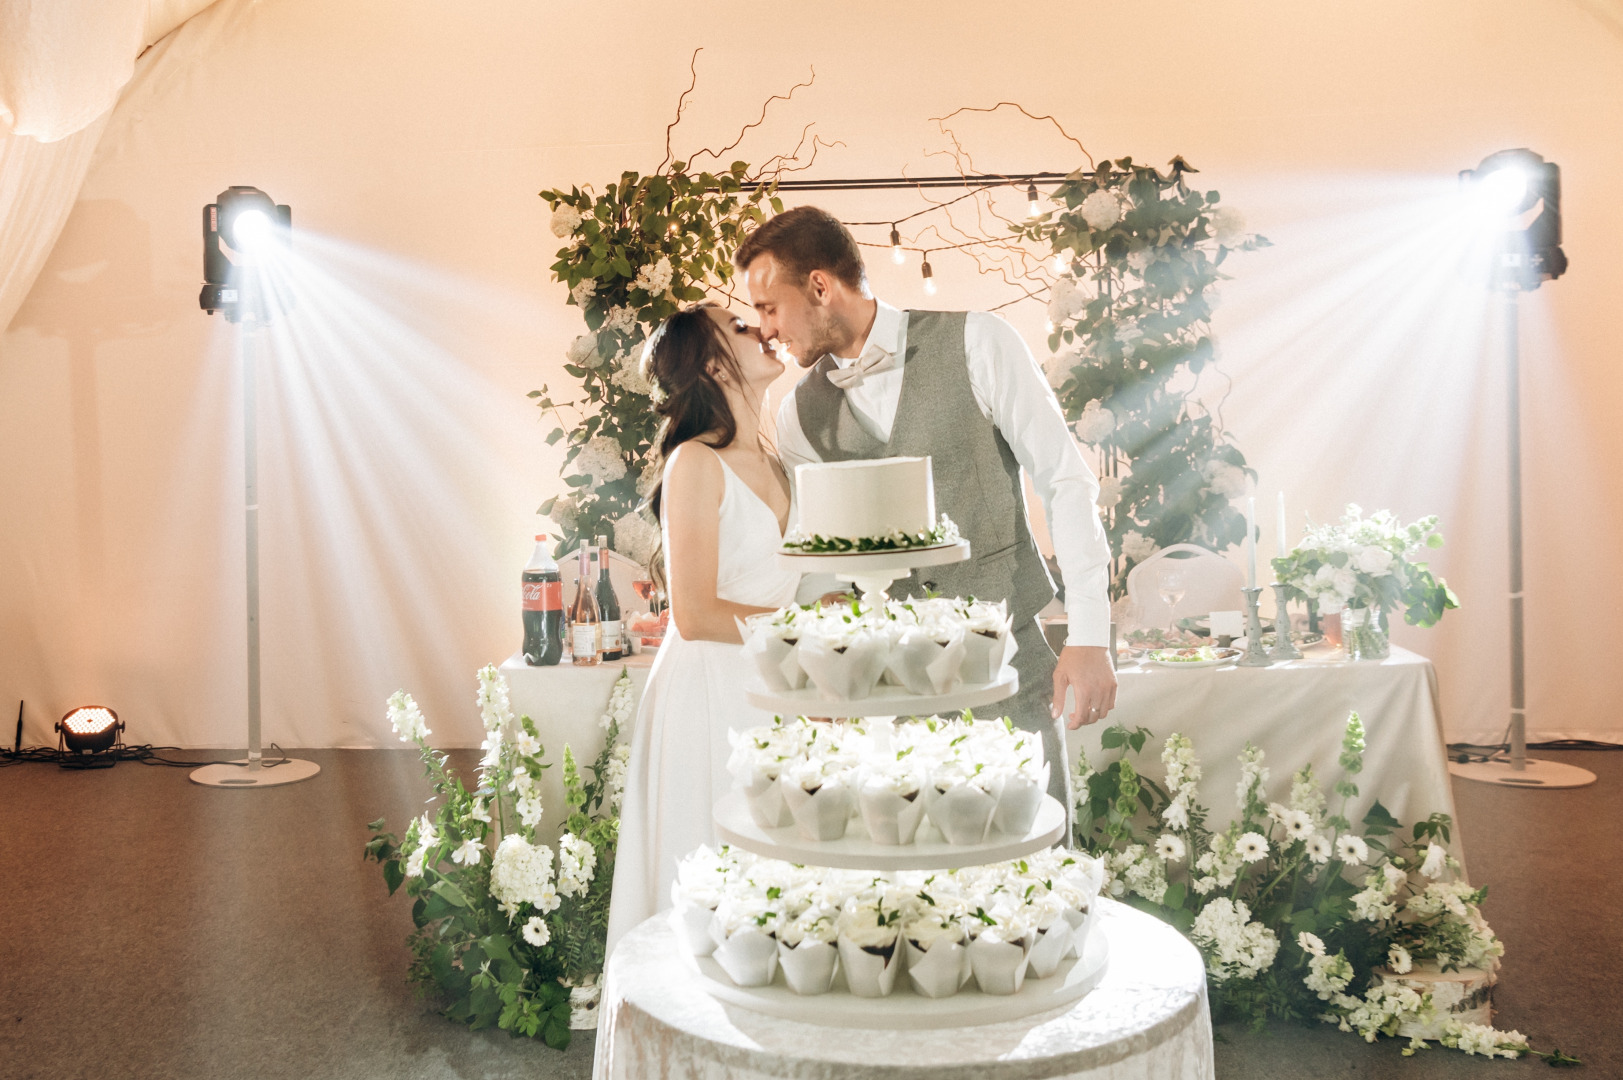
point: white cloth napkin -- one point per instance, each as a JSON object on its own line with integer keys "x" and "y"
{"x": 873, "y": 359}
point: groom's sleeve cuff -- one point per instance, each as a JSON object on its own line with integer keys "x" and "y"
{"x": 1088, "y": 619}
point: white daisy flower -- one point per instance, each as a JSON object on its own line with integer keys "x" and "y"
{"x": 1351, "y": 850}
{"x": 1310, "y": 944}
{"x": 1318, "y": 848}
{"x": 536, "y": 931}
{"x": 1251, "y": 847}
{"x": 1297, "y": 824}
{"x": 1169, "y": 848}
{"x": 1399, "y": 960}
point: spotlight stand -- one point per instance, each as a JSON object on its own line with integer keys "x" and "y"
{"x": 254, "y": 312}
{"x": 1518, "y": 770}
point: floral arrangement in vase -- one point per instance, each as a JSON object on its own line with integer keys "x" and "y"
{"x": 1364, "y": 567}
{"x": 507, "y": 933}
{"x": 1299, "y": 913}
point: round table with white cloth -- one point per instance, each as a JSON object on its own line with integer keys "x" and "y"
{"x": 1147, "y": 1020}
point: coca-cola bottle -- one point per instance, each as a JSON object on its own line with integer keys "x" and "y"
{"x": 608, "y": 604}
{"x": 543, "y": 608}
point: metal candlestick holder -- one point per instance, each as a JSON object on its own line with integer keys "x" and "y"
{"x": 1255, "y": 654}
{"x": 1284, "y": 648}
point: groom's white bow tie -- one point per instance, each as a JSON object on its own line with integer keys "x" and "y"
{"x": 873, "y": 360}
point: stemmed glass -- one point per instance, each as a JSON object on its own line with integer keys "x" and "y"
{"x": 1172, "y": 584}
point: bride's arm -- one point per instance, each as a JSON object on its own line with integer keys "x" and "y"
{"x": 694, "y": 486}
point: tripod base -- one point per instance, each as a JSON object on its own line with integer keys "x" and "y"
{"x": 1538, "y": 774}
{"x": 237, "y": 773}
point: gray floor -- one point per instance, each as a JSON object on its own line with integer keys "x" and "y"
{"x": 153, "y": 928}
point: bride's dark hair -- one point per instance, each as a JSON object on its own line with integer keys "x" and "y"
{"x": 683, "y": 357}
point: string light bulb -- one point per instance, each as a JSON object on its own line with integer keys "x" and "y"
{"x": 897, "y": 255}
{"x": 929, "y": 277}
{"x": 1060, "y": 263}
{"x": 1033, "y": 209}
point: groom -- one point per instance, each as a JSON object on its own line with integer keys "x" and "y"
{"x": 962, "y": 389}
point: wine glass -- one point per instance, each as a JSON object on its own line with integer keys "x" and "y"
{"x": 1172, "y": 584}
{"x": 644, "y": 588}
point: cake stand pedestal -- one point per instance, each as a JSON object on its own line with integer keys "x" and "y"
{"x": 885, "y": 700}
{"x": 873, "y": 571}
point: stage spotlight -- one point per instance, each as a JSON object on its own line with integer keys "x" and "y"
{"x": 235, "y": 228}
{"x": 1521, "y": 191}
{"x": 88, "y": 737}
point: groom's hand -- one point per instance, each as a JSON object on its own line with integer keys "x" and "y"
{"x": 1086, "y": 672}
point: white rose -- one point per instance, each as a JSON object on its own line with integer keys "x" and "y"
{"x": 1095, "y": 424}
{"x": 1374, "y": 561}
{"x": 583, "y": 351}
{"x": 564, "y": 220}
{"x": 1137, "y": 546}
{"x": 1101, "y": 210}
{"x": 1345, "y": 582}
{"x": 1228, "y": 224}
{"x": 1109, "y": 492}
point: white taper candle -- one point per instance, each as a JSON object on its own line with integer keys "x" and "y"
{"x": 1251, "y": 541}
{"x": 1284, "y": 544}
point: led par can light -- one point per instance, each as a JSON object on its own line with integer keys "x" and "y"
{"x": 87, "y": 733}
{"x": 228, "y": 251}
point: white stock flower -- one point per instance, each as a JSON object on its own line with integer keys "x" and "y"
{"x": 1095, "y": 423}
{"x": 1251, "y": 846}
{"x": 529, "y": 811}
{"x": 468, "y": 854}
{"x": 526, "y": 744}
{"x": 1436, "y": 862}
{"x": 583, "y": 352}
{"x": 577, "y": 861}
{"x": 1138, "y": 547}
{"x": 536, "y": 931}
{"x": 480, "y": 811}
{"x": 1170, "y": 848}
{"x": 406, "y": 718}
{"x": 1351, "y": 850}
{"x": 1228, "y": 224}
{"x": 1109, "y": 492}
{"x": 494, "y": 709}
{"x": 1310, "y": 943}
{"x": 564, "y": 220}
{"x": 1101, "y": 209}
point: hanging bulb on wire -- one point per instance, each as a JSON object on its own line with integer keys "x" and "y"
{"x": 1033, "y": 209}
{"x": 897, "y": 255}
{"x": 929, "y": 278}
{"x": 1060, "y": 264}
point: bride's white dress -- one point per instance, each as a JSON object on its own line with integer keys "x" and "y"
{"x": 695, "y": 692}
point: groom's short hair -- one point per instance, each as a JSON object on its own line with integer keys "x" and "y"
{"x": 803, "y": 239}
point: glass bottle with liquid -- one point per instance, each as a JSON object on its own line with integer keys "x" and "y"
{"x": 585, "y": 622}
{"x": 608, "y": 605}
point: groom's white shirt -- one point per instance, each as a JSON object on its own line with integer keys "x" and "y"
{"x": 1013, "y": 393}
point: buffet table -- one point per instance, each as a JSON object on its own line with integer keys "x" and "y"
{"x": 1296, "y": 712}
{"x": 1146, "y": 1020}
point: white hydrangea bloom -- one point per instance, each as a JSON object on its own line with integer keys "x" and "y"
{"x": 1235, "y": 947}
{"x": 565, "y": 511}
{"x": 1228, "y": 224}
{"x": 521, "y": 873}
{"x": 1095, "y": 423}
{"x": 583, "y": 352}
{"x": 636, "y": 537}
{"x": 601, "y": 459}
{"x": 1109, "y": 492}
{"x": 564, "y": 220}
{"x": 654, "y": 278}
{"x": 406, "y": 718}
{"x": 630, "y": 376}
{"x": 1140, "y": 260}
{"x": 583, "y": 292}
{"x": 620, "y": 319}
{"x": 1101, "y": 209}
{"x": 1138, "y": 547}
{"x": 1224, "y": 479}
{"x": 1065, "y": 300}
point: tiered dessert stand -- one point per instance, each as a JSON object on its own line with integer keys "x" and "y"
{"x": 1151, "y": 1021}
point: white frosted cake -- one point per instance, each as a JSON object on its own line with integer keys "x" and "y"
{"x": 866, "y": 499}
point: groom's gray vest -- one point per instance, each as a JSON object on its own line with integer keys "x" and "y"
{"x": 977, "y": 479}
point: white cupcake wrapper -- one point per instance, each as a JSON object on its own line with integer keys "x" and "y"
{"x": 963, "y": 814}
{"x": 1052, "y": 946}
{"x": 1082, "y": 924}
{"x": 808, "y": 967}
{"x": 777, "y": 660}
{"x": 845, "y": 676}
{"x": 866, "y": 974}
{"x": 924, "y": 665}
{"x": 1019, "y": 801}
{"x": 985, "y": 656}
{"x": 823, "y": 814}
{"x": 692, "y": 923}
{"x": 764, "y": 797}
{"x": 939, "y": 971}
{"x": 890, "y": 818}
{"x": 1000, "y": 966}
{"x": 749, "y": 957}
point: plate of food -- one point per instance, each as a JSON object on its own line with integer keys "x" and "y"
{"x": 1197, "y": 657}
{"x": 1157, "y": 638}
{"x": 1302, "y": 641}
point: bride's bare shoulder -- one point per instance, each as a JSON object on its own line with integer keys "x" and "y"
{"x": 694, "y": 471}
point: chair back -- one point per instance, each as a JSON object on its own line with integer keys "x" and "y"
{"x": 1212, "y": 583}
{"x": 622, "y": 572}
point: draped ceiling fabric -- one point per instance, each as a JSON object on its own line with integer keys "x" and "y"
{"x": 63, "y": 64}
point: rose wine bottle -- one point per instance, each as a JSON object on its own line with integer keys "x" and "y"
{"x": 585, "y": 623}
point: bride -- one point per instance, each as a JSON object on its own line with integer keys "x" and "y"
{"x": 724, "y": 504}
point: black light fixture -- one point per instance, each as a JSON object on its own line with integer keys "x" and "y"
{"x": 240, "y": 219}
{"x": 88, "y": 737}
{"x": 1524, "y": 191}
{"x": 1033, "y": 206}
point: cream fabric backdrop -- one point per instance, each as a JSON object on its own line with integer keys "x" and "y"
{"x": 401, "y": 464}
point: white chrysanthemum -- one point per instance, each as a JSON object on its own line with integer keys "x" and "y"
{"x": 1138, "y": 547}
{"x": 1399, "y": 960}
{"x": 1318, "y": 848}
{"x": 1095, "y": 423}
{"x": 583, "y": 292}
{"x": 406, "y": 718}
{"x": 1109, "y": 492}
{"x": 654, "y": 278}
{"x": 1223, "y": 479}
{"x": 1170, "y": 848}
{"x": 1310, "y": 943}
{"x": 536, "y": 931}
{"x": 1101, "y": 210}
{"x": 468, "y": 853}
{"x": 1228, "y": 224}
{"x": 636, "y": 537}
{"x": 529, "y": 811}
{"x": 1251, "y": 846}
{"x": 577, "y": 861}
{"x": 1351, "y": 850}
{"x": 583, "y": 352}
{"x": 564, "y": 220}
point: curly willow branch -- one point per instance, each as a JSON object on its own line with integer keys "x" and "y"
{"x": 941, "y": 120}
{"x": 747, "y": 128}
{"x": 681, "y": 103}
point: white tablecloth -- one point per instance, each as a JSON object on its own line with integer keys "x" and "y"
{"x": 1296, "y": 712}
{"x": 566, "y": 703}
{"x": 1147, "y": 1020}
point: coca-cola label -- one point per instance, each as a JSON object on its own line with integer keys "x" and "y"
{"x": 543, "y": 596}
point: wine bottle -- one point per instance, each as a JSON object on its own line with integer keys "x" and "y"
{"x": 585, "y": 624}
{"x": 608, "y": 604}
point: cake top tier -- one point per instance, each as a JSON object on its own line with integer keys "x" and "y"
{"x": 883, "y": 499}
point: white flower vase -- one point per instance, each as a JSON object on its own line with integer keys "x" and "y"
{"x": 749, "y": 957}
{"x": 1000, "y": 966}
{"x": 868, "y": 973}
{"x": 1052, "y": 946}
{"x": 939, "y": 971}
{"x": 584, "y": 998}
{"x": 822, "y": 814}
{"x": 1465, "y": 994}
{"x": 1019, "y": 801}
{"x": 1364, "y": 634}
{"x": 891, "y": 818}
{"x": 692, "y": 923}
{"x": 963, "y": 814}
{"x": 808, "y": 967}
{"x": 764, "y": 797}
